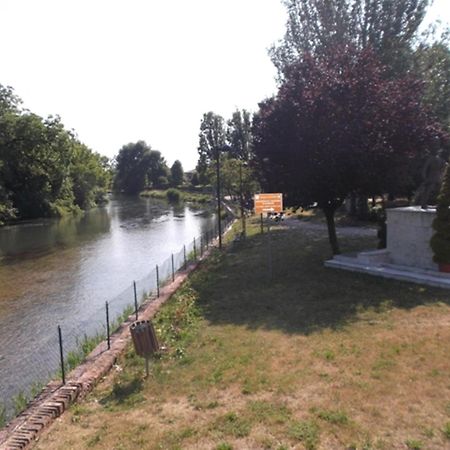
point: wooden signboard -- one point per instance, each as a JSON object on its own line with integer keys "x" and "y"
{"x": 268, "y": 203}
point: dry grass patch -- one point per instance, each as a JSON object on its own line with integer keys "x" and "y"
{"x": 312, "y": 359}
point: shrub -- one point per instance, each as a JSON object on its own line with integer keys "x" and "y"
{"x": 173, "y": 195}
{"x": 162, "y": 183}
{"x": 440, "y": 242}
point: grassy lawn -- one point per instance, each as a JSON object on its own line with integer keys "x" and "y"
{"x": 309, "y": 358}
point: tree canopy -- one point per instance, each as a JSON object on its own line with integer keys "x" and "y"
{"x": 432, "y": 63}
{"x": 212, "y": 139}
{"x": 316, "y": 26}
{"x": 138, "y": 167}
{"x": 239, "y": 135}
{"x": 44, "y": 170}
{"x": 176, "y": 174}
{"x": 337, "y": 125}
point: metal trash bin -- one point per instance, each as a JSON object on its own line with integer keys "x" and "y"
{"x": 144, "y": 338}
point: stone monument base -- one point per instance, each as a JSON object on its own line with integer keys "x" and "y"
{"x": 409, "y": 231}
{"x": 408, "y": 255}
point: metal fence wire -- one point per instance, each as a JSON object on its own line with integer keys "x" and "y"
{"x": 40, "y": 360}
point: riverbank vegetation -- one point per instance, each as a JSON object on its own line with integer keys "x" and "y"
{"x": 177, "y": 195}
{"x": 297, "y": 357}
{"x": 45, "y": 170}
{"x": 139, "y": 168}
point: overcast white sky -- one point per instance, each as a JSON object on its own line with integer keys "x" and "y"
{"x": 119, "y": 71}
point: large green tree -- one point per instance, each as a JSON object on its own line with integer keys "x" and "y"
{"x": 432, "y": 63}
{"x": 237, "y": 179}
{"x": 212, "y": 141}
{"x": 36, "y": 157}
{"x": 138, "y": 167}
{"x": 176, "y": 174}
{"x": 90, "y": 175}
{"x": 44, "y": 170}
{"x": 239, "y": 135}
{"x": 316, "y": 26}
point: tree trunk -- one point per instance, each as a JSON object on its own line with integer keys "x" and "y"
{"x": 353, "y": 209}
{"x": 329, "y": 214}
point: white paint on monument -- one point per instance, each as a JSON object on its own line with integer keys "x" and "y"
{"x": 409, "y": 231}
{"x": 408, "y": 256}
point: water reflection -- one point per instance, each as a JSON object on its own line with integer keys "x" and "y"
{"x": 35, "y": 238}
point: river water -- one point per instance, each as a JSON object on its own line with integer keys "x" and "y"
{"x": 61, "y": 272}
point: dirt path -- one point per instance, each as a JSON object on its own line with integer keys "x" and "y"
{"x": 316, "y": 228}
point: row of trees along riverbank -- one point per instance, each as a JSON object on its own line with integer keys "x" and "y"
{"x": 45, "y": 170}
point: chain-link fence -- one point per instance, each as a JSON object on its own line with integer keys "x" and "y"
{"x": 41, "y": 359}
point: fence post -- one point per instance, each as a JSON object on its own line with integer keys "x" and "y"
{"x": 108, "y": 336}
{"x": 157, "y": 280}
{"x": 173, "y": 269}
{"x": 184, "y": 255}
{"x": 135, "y": 300}
{"x": 269, "y": 238}
{"x": 195, "y": 251}
{"x": 61, "y": 355}
{"x": 262, "y": 224}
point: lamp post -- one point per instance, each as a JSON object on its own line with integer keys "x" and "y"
{"x": 242, "y": 199}
{"x": 218, "y": 197}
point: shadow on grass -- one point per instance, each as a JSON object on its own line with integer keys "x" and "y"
{"x": 302, "y": 295}
{"x": 126, "y": 391}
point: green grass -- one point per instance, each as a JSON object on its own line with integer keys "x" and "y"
{"x": 446, "y": 430}
{"x": 310, "y": 357}
{"x": 306, "y": 432}
{"x": 224, "y": 446}
{"x": 3, "y": 416}
{"x": 20, "y": 402}
{"x": 331, "y": 416}
{"x": 231, "y": 424}
{"x": 414, "y": 444}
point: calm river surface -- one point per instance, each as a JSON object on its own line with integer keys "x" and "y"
{"x": 61, "y": 272}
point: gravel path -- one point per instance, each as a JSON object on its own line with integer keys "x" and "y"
{"x": 316, "y": 228}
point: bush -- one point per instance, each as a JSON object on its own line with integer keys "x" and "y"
{"x": 7, "y": 212}
{"x": 173, "y": 195}
{"x": 440, "y": 242}
{"x": 162, "y": 183}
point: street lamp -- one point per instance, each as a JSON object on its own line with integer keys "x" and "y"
{"x": 218, "y": 197}
{"x": 223, "y": 148}
{"x": 242, "y": 163}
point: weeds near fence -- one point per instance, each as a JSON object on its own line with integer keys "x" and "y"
{"x": 115, "y": 324}
{"x": 75, "y": 357}
{"x": 20, "y": 402}
{"x": 3, "y": 417}
{"x": 178, "y": 322}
